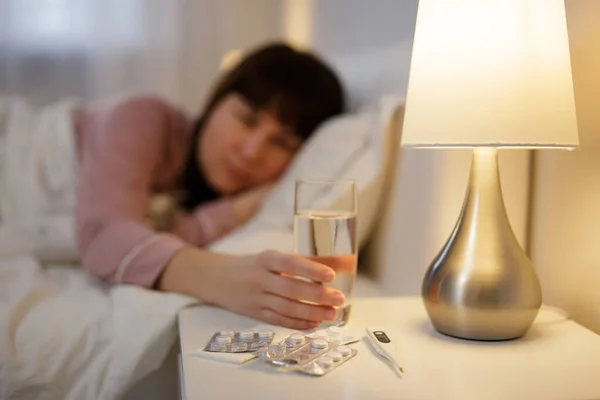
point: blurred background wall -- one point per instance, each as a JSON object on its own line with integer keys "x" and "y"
{"x": 96, "y": 49}
{"x": 565, "y": 224}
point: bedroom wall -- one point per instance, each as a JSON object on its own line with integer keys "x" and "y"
{"x": 371, "y": 47}
{"x": 173, "y": 48}
{"x": 566, "y": 214}
{"x": 211, "y": 29}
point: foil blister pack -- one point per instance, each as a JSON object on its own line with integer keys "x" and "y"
{"x": 316, "y": 353}
{"x": 228, "y": 341}
{"x": 329, "y": 361}
{"x": 310, "y": 355}
{"x": 335, "y": 335}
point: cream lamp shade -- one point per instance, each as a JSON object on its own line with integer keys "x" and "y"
{"x": 490, "y": 73}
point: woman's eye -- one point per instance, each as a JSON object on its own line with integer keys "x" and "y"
{"x": 283, "y": 143}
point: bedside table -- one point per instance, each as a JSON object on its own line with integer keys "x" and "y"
{"x": 557, "y": 359}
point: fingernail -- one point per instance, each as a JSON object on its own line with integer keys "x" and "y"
{"x": 329, "y": 276}
{"x": 338, "y": 299}
{"x": 331, "y": 314}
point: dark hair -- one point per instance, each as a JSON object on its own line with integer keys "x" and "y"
{"x": 300, "y": 89}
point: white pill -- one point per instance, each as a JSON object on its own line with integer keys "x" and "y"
{"x": 319, "y": 344}
{"x": 344, "y": 350}
{"x": 296, "y": 338}
{"x": 266, "y": 334}
{"x": 335, "y": 356}
{"x": 313, "y": 368}
{"x": 325, "y": 362}
{"x": 247, "y": 334}
{"x": 218, "y": 347}
{"x": 226, "y": 333}
{"x": 223, "y": 339}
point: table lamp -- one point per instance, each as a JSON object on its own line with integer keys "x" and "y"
{"x": 487, "y": 75}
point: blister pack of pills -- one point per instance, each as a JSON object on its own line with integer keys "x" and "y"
{"x": 296, "y": 350}
{"x": 310, "y": 355}
{"x": 329, "y": 361}
{"x": 335, "y": 335}
{"x": 228, "y": 341}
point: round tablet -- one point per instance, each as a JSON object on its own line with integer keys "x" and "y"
{"x": 247, "y": 334}
{"x": 226, "y": 332}
{"x": 295, "y": 339}
{"x": 344, "y": 350}
{"x": 218, "y": 347}
{"x": 223, "y": 339}
{"x": 266, "y": 334}
{"x": 325, "y": 362}
{"x": 313, "y": 368}
{"x": 335, "y": 356}
{"x": 319, "y": 344}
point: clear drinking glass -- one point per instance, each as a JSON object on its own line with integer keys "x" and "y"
{"x": 325, "y": 231}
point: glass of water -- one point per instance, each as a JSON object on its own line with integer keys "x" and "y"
{"x": 325, "y": 231}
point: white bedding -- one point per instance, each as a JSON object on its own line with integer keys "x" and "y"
{"x": 63, "y": 334}
{"x": 66, "y": 335}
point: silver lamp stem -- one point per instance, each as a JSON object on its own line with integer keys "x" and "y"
{"x": 482, "y": 285}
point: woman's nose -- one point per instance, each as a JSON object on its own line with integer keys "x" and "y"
{"x": 252, "y": 147}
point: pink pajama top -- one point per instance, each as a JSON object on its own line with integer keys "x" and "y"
{"x": 127, "y": 152}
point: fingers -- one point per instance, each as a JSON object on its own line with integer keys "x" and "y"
{"x": 341, "y": 264}
{"x": 297, "y": 289}
{"x": 285, "y": 298}
{"x": 275, "y": 318}
{"x": 297, "y": 310}
{"x": 296, "y": 266}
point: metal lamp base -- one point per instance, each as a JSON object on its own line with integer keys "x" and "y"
{"x": 482, "y": 285}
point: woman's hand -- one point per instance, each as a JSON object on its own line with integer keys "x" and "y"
{"x": 261, "y": 286}
{"x": 247, "y": 203}
{"x": 265, "y": 287}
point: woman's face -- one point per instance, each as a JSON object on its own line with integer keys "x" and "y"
{"x": 242, "y": 147}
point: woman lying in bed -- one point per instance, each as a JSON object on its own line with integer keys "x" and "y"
{"x": 220, "y": 167}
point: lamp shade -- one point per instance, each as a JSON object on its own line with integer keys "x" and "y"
{"x": 490, "y": 73}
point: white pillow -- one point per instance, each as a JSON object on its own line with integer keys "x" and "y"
{"x": 351, "y": 146}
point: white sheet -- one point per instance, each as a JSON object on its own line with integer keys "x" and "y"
{"x": 37, "y": 179}
{"x": 66, "y": 335}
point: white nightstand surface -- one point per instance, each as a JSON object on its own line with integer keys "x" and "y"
{"x": 557, "y": 359}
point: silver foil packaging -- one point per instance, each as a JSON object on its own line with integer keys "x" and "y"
{"x": 227, "y": 341}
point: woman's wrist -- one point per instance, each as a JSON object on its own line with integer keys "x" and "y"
{"x": 193, "y": 272}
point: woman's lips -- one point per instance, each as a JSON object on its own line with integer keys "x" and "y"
{"x": 238, "y": 173}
